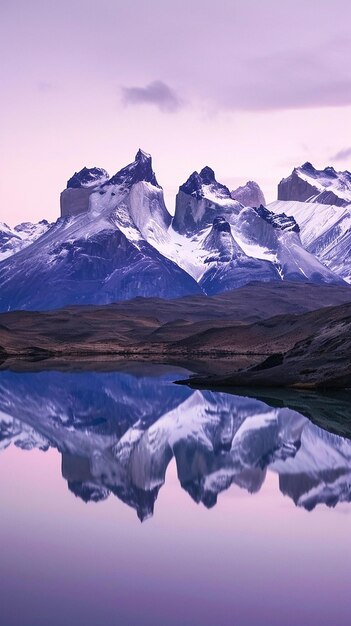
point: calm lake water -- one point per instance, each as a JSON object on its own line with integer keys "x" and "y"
{"x": 126, "y": 499}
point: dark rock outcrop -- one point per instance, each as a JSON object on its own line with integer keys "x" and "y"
{"x": 278, "y": 220}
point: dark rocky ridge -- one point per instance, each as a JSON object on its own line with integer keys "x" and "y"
{"x": 281, "y": 220}
{"x": 309, "y": 351}
{"x": 214, "y": 335}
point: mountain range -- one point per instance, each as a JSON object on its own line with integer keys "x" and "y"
{"x": 116, "y": 240}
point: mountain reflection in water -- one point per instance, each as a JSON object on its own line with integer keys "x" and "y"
{"x": 117, "y": 433}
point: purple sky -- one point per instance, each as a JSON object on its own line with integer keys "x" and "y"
{"x": 250, "y": 88}
{"x": 251, "y": 559}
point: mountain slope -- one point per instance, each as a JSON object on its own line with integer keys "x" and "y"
{"x": 325, "y": 232}
{"x": 320, "y": 202}
{"x": 308, "y": 351}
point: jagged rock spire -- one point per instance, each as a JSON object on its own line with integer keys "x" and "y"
{"x": 139, "y": 170}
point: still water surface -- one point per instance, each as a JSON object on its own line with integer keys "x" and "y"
{"x": 126, "y": 499}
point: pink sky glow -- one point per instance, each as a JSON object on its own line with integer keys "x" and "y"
{"x": 250, "y": 88}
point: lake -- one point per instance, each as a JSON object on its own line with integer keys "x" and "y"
{"x": 127, "y": 499}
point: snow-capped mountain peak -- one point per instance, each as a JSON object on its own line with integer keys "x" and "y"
{"x": 75, "y": 198}
{"x": 141, "y": 155}
{"x": 204, "y": 184}
{"x": 310, "y": 170}
{"x": 10, "y": 241}
{"x": 102, "y": 251}
{"x": 87, "y": 177}
{"x": 6, "y": 232}
{"x": 207, "y": 176}
{"x": 308, "y": 184}
{"x": 139, "y": 170}
{"x": 200, "y": 200}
